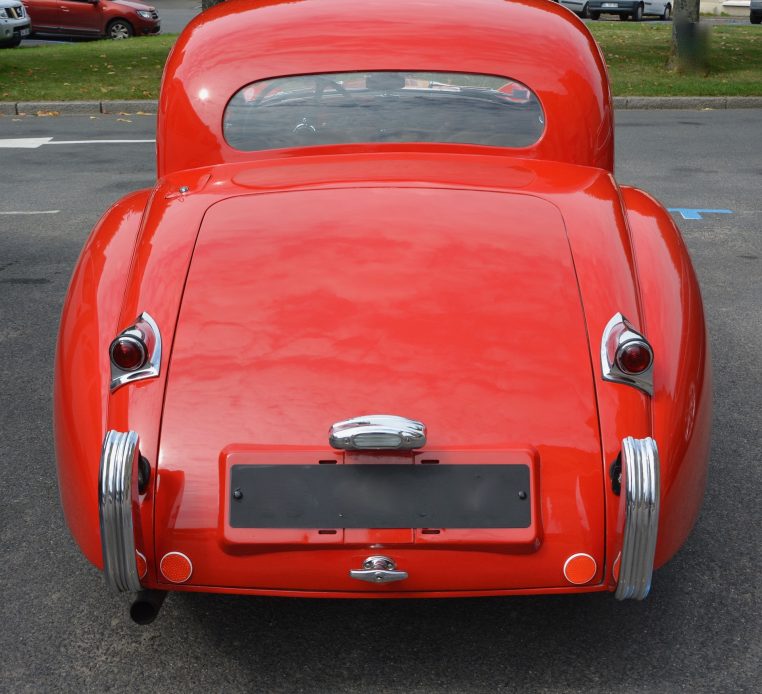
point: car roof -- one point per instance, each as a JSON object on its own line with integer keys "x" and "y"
{"x": 535, "y": 42}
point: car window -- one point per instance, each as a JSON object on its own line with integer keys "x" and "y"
{"x": 372, "y": 107}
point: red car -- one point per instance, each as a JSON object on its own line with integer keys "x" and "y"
{"x": 116, "y": 19}
{"x": 386, "y": 326}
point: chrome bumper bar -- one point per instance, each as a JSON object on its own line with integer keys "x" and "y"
{"x": 117, "y": 487}
{"x": 640, "y": 490}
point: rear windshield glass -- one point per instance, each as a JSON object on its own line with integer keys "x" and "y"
{"x": 357, "y": 107}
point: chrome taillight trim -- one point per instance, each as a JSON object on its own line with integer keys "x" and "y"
{"x": 640, "y": 497}
{"x": 117, "y": 487}
{"x": 144, "y": 329}
{"x": 376, "y": 432}
{"x": 618, "y": 333}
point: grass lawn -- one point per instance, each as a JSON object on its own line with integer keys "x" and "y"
{"x": 106, "y": 69}
{"x": 636, "y": 55}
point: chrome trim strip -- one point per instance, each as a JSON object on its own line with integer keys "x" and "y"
{"x": 640, "y": 498}
{"x": 145, "y": 329}
{"x": 117, "y": 482}
{"x": 378, "y": 432}
{"x": 618, "y": 332}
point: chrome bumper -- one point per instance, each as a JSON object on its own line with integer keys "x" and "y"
{"x": 117, "y": 487}
{"x": 640, "y": 497}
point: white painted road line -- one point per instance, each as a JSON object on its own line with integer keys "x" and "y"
{"x": 35, "y": 142}
{"x": 31, "y": 212}
{"x": 25, "y": 143}
{"x": 95, "y": 142}
{"x": 696, "y": 212}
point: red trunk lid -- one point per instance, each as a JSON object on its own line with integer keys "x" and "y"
{"x": 459, "y": 308}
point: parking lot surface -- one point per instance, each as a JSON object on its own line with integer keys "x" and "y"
{"x": 61, "y": 630}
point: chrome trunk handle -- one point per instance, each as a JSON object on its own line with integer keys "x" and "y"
{"x": 378, "y": 569}
{"x": 378, "y": 432}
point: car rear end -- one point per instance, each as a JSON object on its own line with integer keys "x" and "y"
{"x": 307, "y": 314}
{"x": 623, "y": 8}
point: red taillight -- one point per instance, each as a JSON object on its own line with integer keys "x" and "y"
{"x": 634, "y": 357}
{"x": 128, "y": 353}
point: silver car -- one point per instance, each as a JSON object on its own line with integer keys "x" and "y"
{"x": 14, "y": 23}
{"x": 626, "y": 9}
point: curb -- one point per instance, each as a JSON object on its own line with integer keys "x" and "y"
{"x": 686, "y": 102}
{"x": 150, "y": 107}
{"x": 56, "y": 108}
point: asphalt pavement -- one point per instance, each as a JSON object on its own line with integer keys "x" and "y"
{"x": 61, "y": 629}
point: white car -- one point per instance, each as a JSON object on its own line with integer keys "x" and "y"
{"x": 14, "y": 23}
{"x": 626, "y": 9}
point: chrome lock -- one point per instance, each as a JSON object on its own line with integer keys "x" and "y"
{"x": 378, "y": 569}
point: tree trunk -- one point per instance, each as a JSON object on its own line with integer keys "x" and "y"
{"x": 206, "y": 4}
{"x": 689, "y": 51}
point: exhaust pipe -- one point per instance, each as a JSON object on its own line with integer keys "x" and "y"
{"x": 146, "y": 606}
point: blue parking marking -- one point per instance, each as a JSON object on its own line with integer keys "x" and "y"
{"x": 695, "y": 213}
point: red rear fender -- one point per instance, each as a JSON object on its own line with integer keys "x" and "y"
{"x": 682, "y": 401}
{"x": 88, "y": 322}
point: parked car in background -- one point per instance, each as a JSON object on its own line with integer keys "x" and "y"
{"x": 579, "y": 7}
{"x": 116, "y": 19}
{"x": 14, "y": 23}
{"x": 625, "y": 9}
{"x": 386, "y": 326}
{"x": 755, "y": 12}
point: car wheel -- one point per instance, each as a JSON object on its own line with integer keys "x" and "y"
{"x": 585, "y": 14}
{"x": 595, "y": 15}
{"x": 11, "y": 43}
{"x": 755, "y": 18}
{"x": 637, "y": 13}
{"x": 667, "y": 14}
{"x": 119, "y": 29}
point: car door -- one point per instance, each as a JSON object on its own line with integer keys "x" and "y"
{"x": 43, "y": 15}
{"x": 79, "y": 17}
{"x": 654, "y": 7}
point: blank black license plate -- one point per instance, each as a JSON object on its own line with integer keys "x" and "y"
{"x": 380, "y": 496}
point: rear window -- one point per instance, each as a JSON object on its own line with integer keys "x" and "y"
{"x": 377, "y": 107}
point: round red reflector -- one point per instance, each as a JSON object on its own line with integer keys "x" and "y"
{"x": 176, "y": 567}
{"x": 580, "y": 568}
{"x": 141, "y": 563}
{"x": 634, "y": 357}
{"x": 128, "y": 353}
